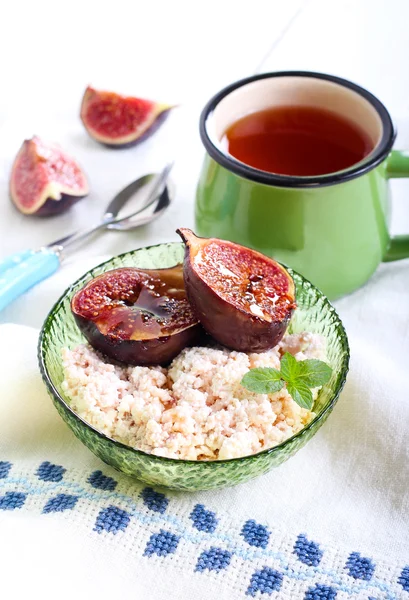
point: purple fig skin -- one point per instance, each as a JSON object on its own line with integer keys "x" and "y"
{"x": 158, "y": 351}
{"x": 160, "y": 119}
{"x": 230, "y": 326}
{"x": 130, "y": 336}
{"x": 52, "y": 207}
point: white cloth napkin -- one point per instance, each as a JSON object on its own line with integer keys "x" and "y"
{"x": 332, "y": 522}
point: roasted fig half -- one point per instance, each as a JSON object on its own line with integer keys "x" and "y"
{"x": 120, "y": 121}
{"x": 243, "y": 299}
{"x": 137, "y": 316}
{"x": 45, "y": 180}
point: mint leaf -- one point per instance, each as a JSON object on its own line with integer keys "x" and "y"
{"x": 313, "y": 372}
{"x": 301, "y": 394}
{"x": 299, "y": 376}
{"x": 264, "y": 380}
{"x": 289, "y": 367}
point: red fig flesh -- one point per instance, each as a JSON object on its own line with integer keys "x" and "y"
{"x": 120, "y": 121}
{"x": 243, "y": 299}
{"x": 137, "y": 316}
{"x": 44, "y": 179}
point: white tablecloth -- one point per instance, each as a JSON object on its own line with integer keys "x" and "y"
{"x": 336, "y": 515}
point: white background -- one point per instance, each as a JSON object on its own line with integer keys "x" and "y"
{"x": 179, "y": 52}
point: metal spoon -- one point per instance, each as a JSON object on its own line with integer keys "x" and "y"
{"x": 19, "y": 272}
{"x": 114, "y": 217}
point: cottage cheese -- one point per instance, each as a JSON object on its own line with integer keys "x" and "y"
{"x": 196, "y": 409}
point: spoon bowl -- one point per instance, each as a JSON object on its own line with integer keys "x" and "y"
{"x": 148, "y": 213}
{"x": 143, "y": 213}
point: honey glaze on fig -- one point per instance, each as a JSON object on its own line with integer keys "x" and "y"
{"x": 247, "y": 280}
{"x": 138, "y": 316}
{"x": 131, "y": 304}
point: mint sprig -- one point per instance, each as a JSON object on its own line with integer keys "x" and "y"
{"x": 299, "y": 376}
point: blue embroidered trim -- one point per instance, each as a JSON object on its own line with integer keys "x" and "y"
{"x": 12, "y": 500}
{"x": 321, "y": 592}
{"x": 360, "y": 567}
{"x": 49, "y": 472}
{"x": 101, "y": 482}
{"x": 154, "y": 500}
{"x": 252, "y": 543}
{"x": 162, "y": 543}
{"x": 255, "y": 534}
{"x": 265, "y": 581}
{"x": 60, "y": 502}
{"x": 203, "y": 519}
{"x": 4, "y": 468}
{"x": 214, "y": 559}
{"x": 404, "y": 578}
{"x": 112, "y": 519}
{"x": 308, "y": 552}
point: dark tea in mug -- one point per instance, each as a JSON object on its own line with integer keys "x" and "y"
{"x": 297, "y": 140}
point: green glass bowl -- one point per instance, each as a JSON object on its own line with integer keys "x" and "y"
{"x": 314, "y": 314}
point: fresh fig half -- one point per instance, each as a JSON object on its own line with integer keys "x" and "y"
{"x": 120, "y": 121}
{"x": 45, "y": 180}
{"x": 243, "y": 299}
{"x": 137, "y": 316}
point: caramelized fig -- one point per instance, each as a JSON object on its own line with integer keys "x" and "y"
{"x": 44, "y": 179}
{"x": 243, "y": 299}
{"x": 137, "y": 316}
{"x": 120, "y": 121}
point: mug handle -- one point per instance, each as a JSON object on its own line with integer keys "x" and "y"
{"x": 397, "y": 165}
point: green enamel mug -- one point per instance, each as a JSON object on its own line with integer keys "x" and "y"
{"x": 331, "y": 228}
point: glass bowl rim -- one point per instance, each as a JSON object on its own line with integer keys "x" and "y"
{"x": 339, "y": 384}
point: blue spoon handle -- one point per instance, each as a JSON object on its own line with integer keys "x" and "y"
{"x": 13, "y": 260}
{"x": 20, "y": 272}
